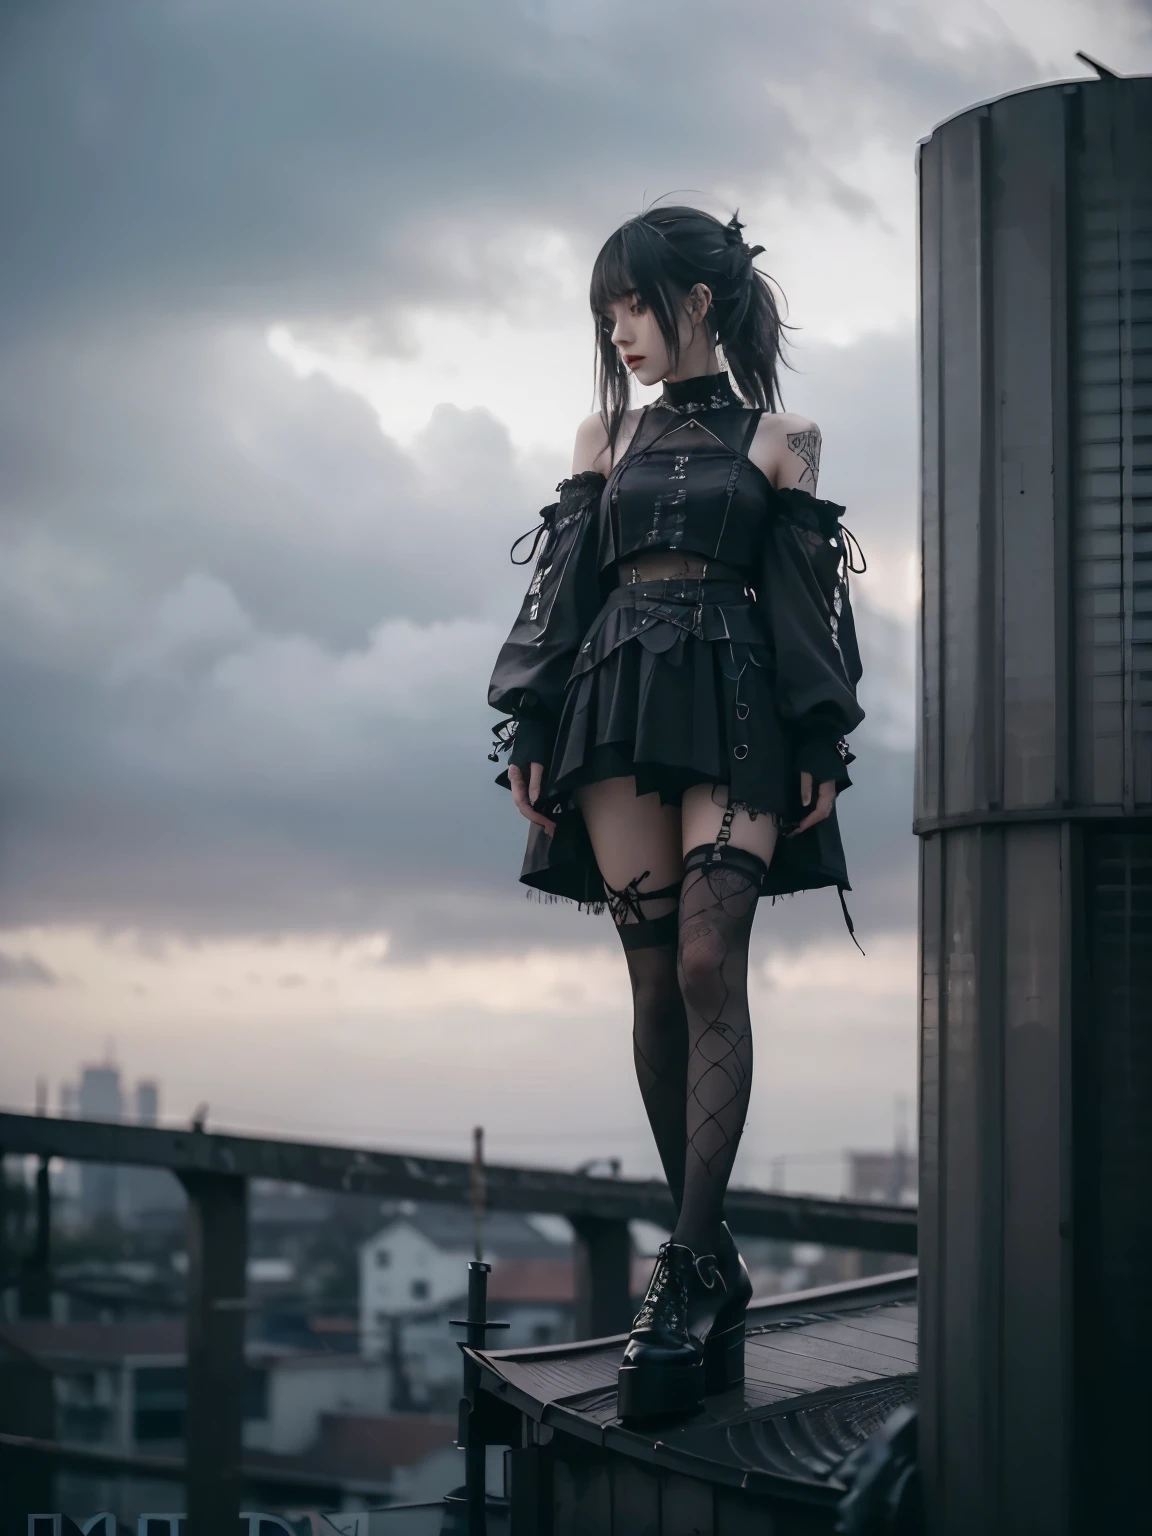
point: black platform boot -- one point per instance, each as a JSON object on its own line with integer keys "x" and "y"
{"x": 663, "y": 1372}
{"x": 724, "y": 1335}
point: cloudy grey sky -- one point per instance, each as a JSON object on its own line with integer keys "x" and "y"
{"x": 294, "y": 341}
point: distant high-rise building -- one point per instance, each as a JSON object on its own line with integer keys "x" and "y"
{"x": 147, "y": 1102}
{"x": 148, "y": 1192}
{"x": 99, "y": 1098}
{"x": 888, "y": 1177}
{"x": 107, "y": 1193}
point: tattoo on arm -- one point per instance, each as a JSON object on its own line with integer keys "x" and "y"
{"x": 806, "y": 446}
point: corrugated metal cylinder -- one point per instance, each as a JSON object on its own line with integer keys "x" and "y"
{"x": 1034, "y": 810}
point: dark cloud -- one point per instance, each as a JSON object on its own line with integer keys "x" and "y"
{"x": 244, "y": 635}
{"x": 132, "y": 461}
{"x": 330, "y": 159}
{"x": 245, "y": 639}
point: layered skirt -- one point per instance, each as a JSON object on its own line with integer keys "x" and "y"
{"x": 674, "y": 685}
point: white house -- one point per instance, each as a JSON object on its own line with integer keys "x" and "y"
{"x": 418, "y": 1261}
{"x": 414, "y": 1276}
{"x": 405, "y": 1270}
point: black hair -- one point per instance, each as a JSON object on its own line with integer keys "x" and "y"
{"x": 657, "y": 257}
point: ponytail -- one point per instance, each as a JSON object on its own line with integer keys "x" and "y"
{"x": 658, "y": 256}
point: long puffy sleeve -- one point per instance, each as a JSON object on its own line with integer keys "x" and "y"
{"x": 803, "y": 594}
{"x": 562, "y": 600}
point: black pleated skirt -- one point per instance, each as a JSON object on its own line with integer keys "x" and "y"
{"x": 675, "y": 685}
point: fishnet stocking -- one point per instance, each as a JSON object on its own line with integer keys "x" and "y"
{"x": 647, "y": 924}
{"x": 660, "y": 1051}
{"x": 717, "y": 905}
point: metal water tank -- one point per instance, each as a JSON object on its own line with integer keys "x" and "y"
{"x": 1034, "y": 811}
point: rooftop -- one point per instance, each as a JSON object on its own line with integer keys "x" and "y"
{"x": 823, "y": 1370}
{"x": 359, "y": 1447}
{"x": 110, "y": 1343}
{"x": 507, "y": 1234}
{"x": 94, "y": 1341}
{"x": 550, "y": 1281}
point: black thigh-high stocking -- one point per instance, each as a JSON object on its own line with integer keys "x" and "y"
{"x": 717, "y": 905}
{"x": 659, "y": 1024}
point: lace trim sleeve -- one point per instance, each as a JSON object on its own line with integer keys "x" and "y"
{"x": 563, "y": 595}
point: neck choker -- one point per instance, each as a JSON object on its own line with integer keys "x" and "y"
{"x": 709, "y": 392}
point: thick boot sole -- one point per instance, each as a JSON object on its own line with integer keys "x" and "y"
{"x": 659, "y": 1391}
{"x": 724, "y": 1359}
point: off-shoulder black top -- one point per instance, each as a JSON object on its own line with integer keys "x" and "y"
{"x": 686, "y": 483}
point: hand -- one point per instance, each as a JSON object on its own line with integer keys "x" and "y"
{"x": 526, "y": 796}
{"x": 825, "y": 800}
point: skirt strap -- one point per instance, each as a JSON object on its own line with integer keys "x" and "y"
{"x": 848, "y": 919}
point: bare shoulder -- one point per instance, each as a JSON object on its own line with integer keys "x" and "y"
{"x": 787, "y": 448}
{"x": 592, "y": 448}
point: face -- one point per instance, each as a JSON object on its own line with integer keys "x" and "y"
{"x": 637, "y": 338}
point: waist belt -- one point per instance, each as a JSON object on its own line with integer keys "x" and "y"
{"x": 680, "y": 589}
{"x": 663, "y": 614}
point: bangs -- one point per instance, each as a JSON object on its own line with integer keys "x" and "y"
{"x": 636, "y": 259}
{"x": 612, "y": 276}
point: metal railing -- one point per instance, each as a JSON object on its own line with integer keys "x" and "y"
{"x": 215, "y": 1169}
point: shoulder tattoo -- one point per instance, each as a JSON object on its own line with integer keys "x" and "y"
{"x": 806, "y": 446}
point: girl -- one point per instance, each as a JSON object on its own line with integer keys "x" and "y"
{"x": 679, "y": 683}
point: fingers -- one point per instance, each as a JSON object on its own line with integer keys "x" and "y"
{"x": 805, "y": 789}
{"x": 523, "y": 799}
{"x": 825, "y": 800}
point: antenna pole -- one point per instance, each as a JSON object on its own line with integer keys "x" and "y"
{"x": 478, "y": 1188}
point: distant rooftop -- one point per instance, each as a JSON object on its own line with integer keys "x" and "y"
{"x": 101, "y": 1343}
{"x": 359, "y": 1447}
{"x": 507, "y": 1234}
{"x": 551, "y": 1281}
{"x": 93, "y": 1341}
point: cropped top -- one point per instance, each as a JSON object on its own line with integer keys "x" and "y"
{"x": 686, "y": 481}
